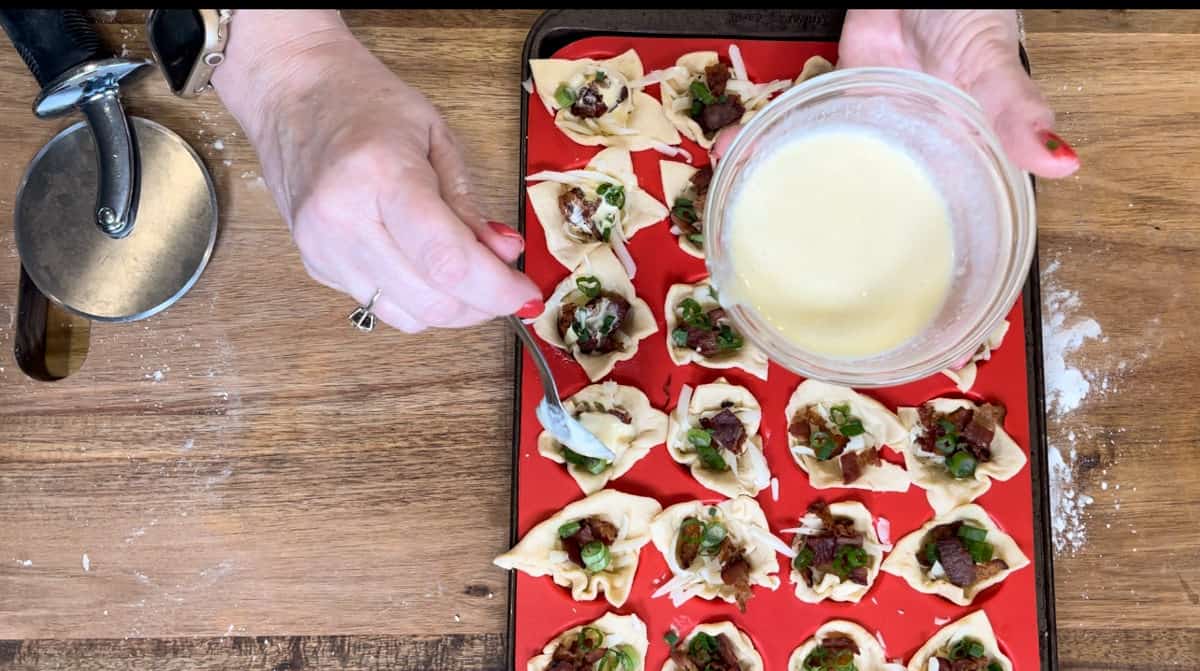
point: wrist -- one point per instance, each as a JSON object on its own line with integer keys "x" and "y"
{"x": 274, "y": 56}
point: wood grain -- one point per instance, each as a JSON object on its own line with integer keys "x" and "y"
{"x": 299, "y": 495}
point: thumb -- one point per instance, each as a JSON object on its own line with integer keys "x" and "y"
{"x": 454, "y": 185}
{"x": 724, "y": 138}
{"x": 1023, "y": 121}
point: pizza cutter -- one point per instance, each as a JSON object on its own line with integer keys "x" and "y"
{"x": 116, "y": 217}
{"x": 551, "y": 413}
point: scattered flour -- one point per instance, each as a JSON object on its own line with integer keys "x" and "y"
{"x": 1066, "y": 504}
{"x": 25, "y": 562}
{"x": 87, "y": 563}
{"x": 218, "y": 144}
{"x": 1066, "y": 385}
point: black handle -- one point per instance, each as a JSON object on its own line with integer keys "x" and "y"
{"x": 52, "y": 41}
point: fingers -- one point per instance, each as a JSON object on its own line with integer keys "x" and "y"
{"x": 454, "y": 183}
{"x": 724, "y": 138}
{"x": 1024, "y": 122}
{"x": 447, "y": 256}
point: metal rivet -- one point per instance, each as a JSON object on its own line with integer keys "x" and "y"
{"x": 106, "y": 218}
{"x": 214, "y": 59}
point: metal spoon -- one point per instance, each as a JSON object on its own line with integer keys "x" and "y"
{"x": 550, "y": 412}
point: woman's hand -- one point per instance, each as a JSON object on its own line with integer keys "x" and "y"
{"x": 975, "y": 50}
{"x": 368, "y": 175}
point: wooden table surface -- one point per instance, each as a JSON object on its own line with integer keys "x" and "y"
{"x": 257, "y": 486}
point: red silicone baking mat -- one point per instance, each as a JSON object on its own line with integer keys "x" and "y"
{"x": 776, "y": 620}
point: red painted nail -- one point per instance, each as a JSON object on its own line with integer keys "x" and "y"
{"x": 531, "y": 309}
{"x": 506, "y": 231}
{"x": 1057, "y": 146}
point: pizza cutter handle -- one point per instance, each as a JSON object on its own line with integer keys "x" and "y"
{"x": 52, "y": 41}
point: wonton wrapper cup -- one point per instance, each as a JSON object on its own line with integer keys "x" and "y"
{"x": 617, "y": 630}
{"x": 976, "y": 626}
{"x": 743, "y": 647}
{"x": 751, "y": 475}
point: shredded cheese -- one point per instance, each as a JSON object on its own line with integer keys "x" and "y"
{"x": 617, "y": 240}
{"x": 739, "y": 66}
{"x": 659, "y": 76}
{"x": 528, "y": 85}
{"x": 572, "y": 177}
{"x": 668, "y": 150}
{"x": 775, "y": 489}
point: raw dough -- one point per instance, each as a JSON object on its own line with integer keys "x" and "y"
{"x": 943, "y": 490}
{"x": 903, "y": 562}
{"x": 540, "y": 552}
{"x": 830, "y": 587}
{"x": 747, "y": 655}
{"x": 617, "y": 629}
{"x": 870, "y": 657}
{"x": 676, "y": 179}
{"x": 748, "y": 472}
{"x": 636, "y": 124}
{"x": 976, "y": 626}
{"x": 882, "y": 428}
{"x": 749, "y": 357}
{"x": 639, "y": 324}
{"x": 744, "y": 522}
{"x": 613, "y": 166}
{"x": 630, "y": 442}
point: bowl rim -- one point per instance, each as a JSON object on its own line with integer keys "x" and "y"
{"x": 1016, "y": 185}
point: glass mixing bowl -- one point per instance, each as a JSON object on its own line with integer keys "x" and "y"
{"x": 990, "y": 202}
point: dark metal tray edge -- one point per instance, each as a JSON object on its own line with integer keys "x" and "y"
{"x": 555, "y": 29}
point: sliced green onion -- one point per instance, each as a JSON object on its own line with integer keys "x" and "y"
{"x": 804, "y": 558}
{"x": 714, "y": 535}
{"x": 840, "y": 414}
{"x": 588, "y": 285}
{"x": 590, "y": 638}
{"x": 671, "y": 637}
{"x": 595, "y": 557}
{"x": 854, "y": 557}
{"x": 980, "y": 552}
{"x": 971, "y": 533}
{"x": 702, "y": 646}
{"x": 728, "y": 339}
{"x": 691, "y": 530}
{"x": 700, "y": 437}
{"x": 590, "y": 464}
{"x": 711, "y": 458}
{"x": 600, "y": 75}
{"x": 944, "y": 444}
{"x": 621, "y": 658}
{"x": 821, "y": 443}
{"x": 815, "y": 661}
{"x": 995, "y": 666}
{"x": 692, "y": 312}
{"x": 712, "y": 511}
{"x": 930, "y": 552}
{"x": 713, "y": 292}
{"x": 966, "y": 648}
{"x": 852, "y": 428}
{"x": 699, "y": 91}
{"x": 603, "y": 188}
{"x": 564, "y": 96}
{"x": 680, "y": 337}
{"x": 607, "y": 326}
{"x": 615, "y": 196}
{"x": 569, "y": 529}
{"x": 961, "y": 464}
{"x": 697, "y": 239}
{"x": 948, "y": 427}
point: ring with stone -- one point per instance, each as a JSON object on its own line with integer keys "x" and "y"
{"x": 362, "y": 318}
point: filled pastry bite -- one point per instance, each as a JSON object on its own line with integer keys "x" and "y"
{"x": 968, "y": 644}
{"x": 714, "y": 431}
{"x": 685, "y": 189}
{"x": 700, "y": 331}
{"x": 717, "y": 551}
{"x": 956, "y": 555}
{"x": 837, "y": 553}
{"x": 956, "y": 448}
{"x": 596, "y": 316}
{"x": 611, "y": 643}
{"x": 622, "y": 418}
{"x": 599, "y": 206}
{"x": 835, "y": 434}
{"x": 590, "y": 546}
{"x": 601, "y": 102}
{"x": 840, "y": 645}
{"x": 964, "y": 376}
{"x": 716, "y": 646}
{"x": 701, "y": 94}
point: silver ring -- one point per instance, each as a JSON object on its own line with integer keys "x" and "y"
{"x": 362, "y": 318}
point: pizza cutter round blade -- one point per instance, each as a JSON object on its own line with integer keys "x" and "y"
{"x": 100, "y": 277}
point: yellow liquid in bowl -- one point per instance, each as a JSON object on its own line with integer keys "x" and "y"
{"x": 841, "y": 242}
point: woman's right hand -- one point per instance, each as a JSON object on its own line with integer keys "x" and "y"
{"x": 368, "y": 176}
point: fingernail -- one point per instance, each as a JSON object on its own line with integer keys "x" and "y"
{"x": 531, "y": 309}
{"x": 506, "y": 231}
{"x": 1057, "y": 146}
